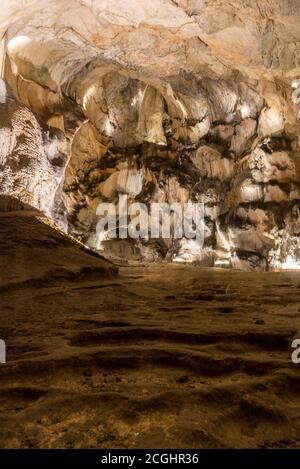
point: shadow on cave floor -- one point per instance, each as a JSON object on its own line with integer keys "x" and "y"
{"x": 160, "y": 356}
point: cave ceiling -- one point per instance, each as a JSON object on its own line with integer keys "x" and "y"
{"x": 197, "y": 95}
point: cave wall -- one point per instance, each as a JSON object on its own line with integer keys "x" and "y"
{"x": 195, "y": 97}
{"x": 31, "y": 165}
{"x": 227, "y": 152}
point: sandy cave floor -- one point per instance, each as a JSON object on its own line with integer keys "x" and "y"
{"x": 162, "y": 356}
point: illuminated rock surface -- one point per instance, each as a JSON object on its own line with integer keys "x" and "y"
{"x": 195, "y": 95}
{"x": 166, "y": 101}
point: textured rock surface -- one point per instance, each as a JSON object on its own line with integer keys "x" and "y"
{"x": 163, "y": 101}
{"x": 164, "y": 356}
{"x": 194, "y": 96}
{"x": 31, "y": 164}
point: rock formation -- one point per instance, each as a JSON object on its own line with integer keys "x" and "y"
{"x": 197, "y": 97}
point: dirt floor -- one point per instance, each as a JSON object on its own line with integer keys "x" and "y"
{"x": 163, "y": 356}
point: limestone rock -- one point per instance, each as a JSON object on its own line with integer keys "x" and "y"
{"x": 164, "y": 101}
